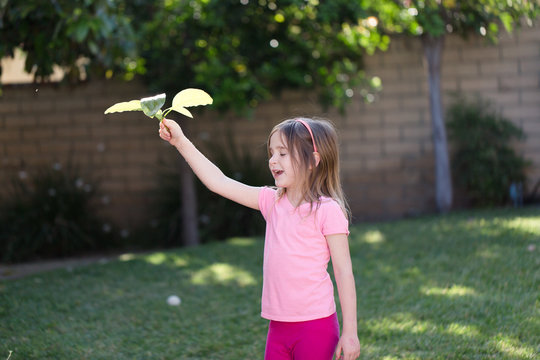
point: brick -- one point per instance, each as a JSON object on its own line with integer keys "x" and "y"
{"x": 529, "y": 66}
{"x": 12, "y": 135}
{"x": 408, "y": 117}
{"x": 139, "y": 185}
{"x": 351, "y": 164}
{"x": 531, "y": 96}
{"x": 386, "y": 103}
{"x": 92, "y": 119}
{"x": 54, "y": 147}
{"x": 416, "y": 132}
{"x": 481, "y": 53}
{"x": 402, "y": 148}
{"x": 525, "y": 112}
{"x": 20, "y": 121}
{"x": 107, "y": 132}
{"x": 8, "y": 107}
{"x": 403, "y": 177}
{"x": 71, "y": 103}
{"x": 73, "y": 132}
{"x": 113, "y": 159}
{"x": 465, "y": 69}
{"x": 505, "y": 67}
{"x": 502, "y": 98}
{"x": 382, "y": 191}
{"x": 38, "y": 134}
{"x": 520, "y": 82}
{"x": 449, "y": 84}
{"x": 452, "y": 54}
{"x": 404, "y": 59}
{"x": 532, "y": 127}
{"x": 26, "y": 148}
{"x": 382, "y": 163}
{"x": 84, "y": 145}
{"x": 142, "y": 158}
{"x": 54, "y": 119}
{"x": 110, "y": 185}
{"x": 415, "y": 102}
{"x": 401, "y": 88}
{"x": 362, "y": 148}
{"x": 388, "y": 132}
{"x": 520, "y": 51}
{"x": 37, "y": 106}
{"x": 478, "y": 84}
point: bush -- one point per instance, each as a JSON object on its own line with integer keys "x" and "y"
{"x": 49, "y": 214}
{"x": 483, "y": 162}
{"x": 219, "y": 218}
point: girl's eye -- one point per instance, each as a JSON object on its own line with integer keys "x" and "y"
{"x": 282, "y": 154}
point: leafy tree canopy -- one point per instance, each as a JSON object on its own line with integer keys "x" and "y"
{"x": 245, "y": 50}
{"x": 73, "y": 34}
{"x": 463, "y": 17}
{"x": 240, "y": 50}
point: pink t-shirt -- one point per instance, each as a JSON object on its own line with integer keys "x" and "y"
{"x": 296, "y": 283}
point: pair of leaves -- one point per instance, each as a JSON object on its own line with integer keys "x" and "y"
{"x": 151, "y": 106}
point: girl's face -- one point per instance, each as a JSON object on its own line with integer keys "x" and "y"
{"x": 281, "y": 163}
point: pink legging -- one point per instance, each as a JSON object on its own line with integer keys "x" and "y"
{"x": 304, "y": 340}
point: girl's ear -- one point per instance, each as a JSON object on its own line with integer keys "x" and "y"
{"x": 317, "y": 158}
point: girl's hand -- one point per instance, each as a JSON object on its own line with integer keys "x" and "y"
{"x": 350, "y": 346}
{"x": 170, "y": 131}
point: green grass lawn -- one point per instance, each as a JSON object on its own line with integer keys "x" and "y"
{"x": 461, "y": 286}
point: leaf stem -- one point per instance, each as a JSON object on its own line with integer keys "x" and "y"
{"x": 167, "y": 111}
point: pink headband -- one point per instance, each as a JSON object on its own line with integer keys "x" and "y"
{"x": 310, "y": 133}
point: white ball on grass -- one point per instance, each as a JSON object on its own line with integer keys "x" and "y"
{"x": 173, "y": 300}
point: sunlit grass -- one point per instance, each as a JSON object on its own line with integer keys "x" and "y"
{"x": 452, "y": 291}
{"x": 373, "y": 237}
{"x": 223, "y": 274}
{"x": 461, "y": 286}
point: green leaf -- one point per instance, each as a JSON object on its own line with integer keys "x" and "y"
{"x": 191, "y": 97}
{"x": 151, "y": 105}
{"x": 183, "y": 111}
{"x": 132, "y": 105}
{"x": 159, "y": 115}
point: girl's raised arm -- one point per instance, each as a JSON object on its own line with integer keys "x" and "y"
{"x": 210, "y": 175}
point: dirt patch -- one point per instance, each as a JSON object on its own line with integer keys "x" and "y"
{"x": 15, "y": 271}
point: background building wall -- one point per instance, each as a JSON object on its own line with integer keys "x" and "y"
{"x": 387, "y": 152}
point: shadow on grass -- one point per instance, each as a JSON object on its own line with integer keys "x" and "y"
{"x": 458, "y": 286}
{"x": 119, "y": 309}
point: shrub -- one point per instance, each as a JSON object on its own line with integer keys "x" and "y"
{"x": 483, "y": 161}
{"x": 219, "y": 218}
{"x": 49, "y": 213}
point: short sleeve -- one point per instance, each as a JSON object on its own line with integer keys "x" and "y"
{"x": 267, "y": 198}
{"x": 332, "y": 219}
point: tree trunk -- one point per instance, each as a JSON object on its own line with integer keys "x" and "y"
{"x": 188, "y": 198}
{"x": 433, "y": 48}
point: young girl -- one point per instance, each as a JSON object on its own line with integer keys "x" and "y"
{"x": 306, "y": 224}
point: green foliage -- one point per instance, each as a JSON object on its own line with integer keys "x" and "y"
{"x": 245, "y": 51}
{"x": 50, "y": 213}
{"x": 484, "y": 162}
{"x": 94, "y": 34}
{"x": 436, "y": 18}
{"x": 461, "y": 286}
{"x": 219, "y": 218}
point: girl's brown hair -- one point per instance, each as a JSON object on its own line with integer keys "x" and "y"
{"x": 320, "y": 179}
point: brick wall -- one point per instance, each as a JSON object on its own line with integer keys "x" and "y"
{"x": 387, "y": 151}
